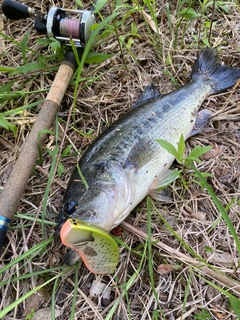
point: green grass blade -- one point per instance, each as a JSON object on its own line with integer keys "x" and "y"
{"x": 32, "y": 274}
{"x": 47, "y": 190}
{"x": 6, "y": 69}
{"x": 6, "y": 88}
{"x": 150, "y": 262}
{"x": 25, "y": 296}
{"x": 128, "y": 285}
{"x": 27, "y": 254}
{"x": 74, "y": 299}
{"x": 235, "y": 303}
{"x": 187, "y": 291}
{"x": 27, "y": 217}
{"x": 54, "y": 299}
{"x": 220, "y": 208}
{"x": 24, "y": 46}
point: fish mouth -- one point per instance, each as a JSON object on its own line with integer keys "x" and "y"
{"x": 60, "y": 222}
{"x": 58, "y": 230}
{"x": 96, "y": 246}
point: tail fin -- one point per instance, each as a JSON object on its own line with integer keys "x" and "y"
{"x": 209, "y": 67}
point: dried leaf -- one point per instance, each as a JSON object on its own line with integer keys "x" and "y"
{"x": 45, "y": 314}
{"x": 150, "y": 22}
{"x": 106, "y": 299}
{"x": 166, "y": 268}
{"x": 219, "y": 315}
{"x": 33, "y": 303}
{"x": 97, "y": 288}
{"x": 199, "y": 215}
{"x": 216, "y": 150}
{"x": 222, "y": 258}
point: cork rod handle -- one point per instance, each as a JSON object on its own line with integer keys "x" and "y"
{"x": 14, "y": 188}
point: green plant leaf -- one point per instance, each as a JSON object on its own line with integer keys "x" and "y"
{"x": 28, "y": 67}
{"x": 130, "y": 43}
{"x": 51, "y": 152}
{"x": 198, "y": 151}
{"x": 169, "y": 147}
{"x": 181, "y": 147}
{"x": 6, "y": 69}
{"x": 7, "y": 125}
{"x": 66, "y": 151}
{"x": 99, "y": 5}
{"x": 6, "y": 87}
{"x": 60, "y": 169}
{"x": 208, "y": 249}
{"x": 97, "y": 57}
{"x": 24, "y": 46}
{"x": 189, "y": 13}
{"x": 205, "y": 41}
{"x": 79, "y": 3}
{"x": 235, "y": 303}
{"x": 202, "y": 315}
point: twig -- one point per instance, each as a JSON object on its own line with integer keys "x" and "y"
{"x": 224, "y": 280}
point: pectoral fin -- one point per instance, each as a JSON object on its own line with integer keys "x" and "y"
{"x": 141, "y": 153}
{"x": 202, "y": 121}
{"x": 158, "y": 189}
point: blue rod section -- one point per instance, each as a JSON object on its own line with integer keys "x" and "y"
{"x": 4, "y": 224}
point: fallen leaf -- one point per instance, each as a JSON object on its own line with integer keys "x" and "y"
{"x": 97, "y": 288}
{"x": 199, "y": 215}
{"x": 45, "y": 314}
{"x": 117, "y": 231}
{"x": 33, "y": 303}
{"x": 166, "y": 268}
{"x": 222, "y": 258}
{"x": 106, "y": 298}
{"x": 150, "y": 22}
{"x": 219, "y": 315}
{"x": 216, "y": 150}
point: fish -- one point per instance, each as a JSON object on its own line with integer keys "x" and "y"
{"x": 125, "y": 163}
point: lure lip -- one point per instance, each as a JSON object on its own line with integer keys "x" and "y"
{"x": 65, "y": 230}
{"x": 96, "y": 246}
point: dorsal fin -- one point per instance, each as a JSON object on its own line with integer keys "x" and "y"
{"x": 149, "y": 93}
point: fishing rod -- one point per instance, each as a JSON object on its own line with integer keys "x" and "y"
{"x": 64, "y": 25}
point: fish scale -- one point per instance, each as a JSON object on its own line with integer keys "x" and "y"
{"x": 125, "y": 163}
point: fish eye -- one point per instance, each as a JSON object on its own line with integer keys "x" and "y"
{"x": 70, "y": 206}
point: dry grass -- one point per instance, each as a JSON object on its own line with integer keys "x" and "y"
{"x": 183, "y": 292}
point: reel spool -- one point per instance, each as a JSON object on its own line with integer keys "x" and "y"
{"x": 62, "y": 24}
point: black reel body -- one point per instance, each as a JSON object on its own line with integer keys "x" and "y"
{"x": 62, "y": 24}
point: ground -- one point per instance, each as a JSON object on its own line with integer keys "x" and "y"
{"x": 191, "y": 270}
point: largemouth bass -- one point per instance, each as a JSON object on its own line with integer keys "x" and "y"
{"x": 125, "y": 163}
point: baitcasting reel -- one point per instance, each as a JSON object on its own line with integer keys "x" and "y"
{"x": 62, "y": 24}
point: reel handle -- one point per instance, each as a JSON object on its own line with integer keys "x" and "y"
{"x": 15, "y": 11}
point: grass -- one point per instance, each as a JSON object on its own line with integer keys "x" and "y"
{"x": 197, "y": 234}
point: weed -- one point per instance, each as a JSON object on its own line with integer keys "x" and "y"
{"x": 166, "y": 34}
